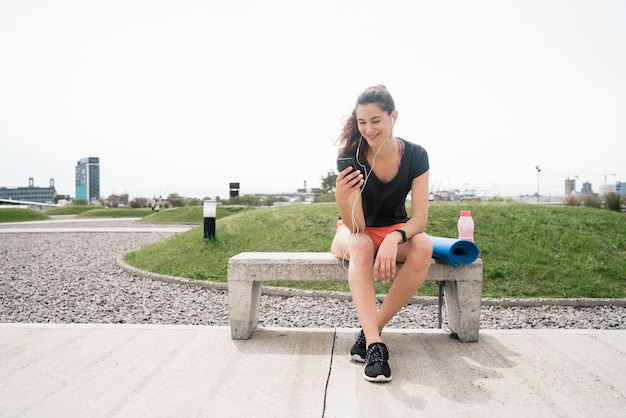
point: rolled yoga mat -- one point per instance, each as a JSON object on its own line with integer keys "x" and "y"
{"x": 454, "y": 251}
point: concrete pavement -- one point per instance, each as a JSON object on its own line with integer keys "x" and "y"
{"x": 60, "y": 370}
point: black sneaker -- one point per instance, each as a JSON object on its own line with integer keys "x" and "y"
{"x": 376, "y": 366}
{"x": 359, "y": 349}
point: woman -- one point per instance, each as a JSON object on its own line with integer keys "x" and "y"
{"x": 374, "y": 231}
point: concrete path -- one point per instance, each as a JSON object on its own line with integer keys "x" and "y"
{"x": 164, "y": 371}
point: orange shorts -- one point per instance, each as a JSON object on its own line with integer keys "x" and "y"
{"x": 376, "y": 233}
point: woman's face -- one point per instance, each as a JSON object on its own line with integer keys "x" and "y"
{"x": 374, "y": 123}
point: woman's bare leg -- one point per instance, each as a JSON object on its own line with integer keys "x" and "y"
{"x": 360, "y": 250}
{"x": 416, "y": 254}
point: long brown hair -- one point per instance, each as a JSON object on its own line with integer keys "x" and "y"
{"x": 349, "y": 139}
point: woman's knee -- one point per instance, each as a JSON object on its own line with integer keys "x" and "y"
{"x": 362, "y": 245}
{"x": 421, "y": 250}
{"x": 362, "y": 251}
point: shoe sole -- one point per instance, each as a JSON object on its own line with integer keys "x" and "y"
{"x": 379, "y": 378}
{"x": 357, "y": 357}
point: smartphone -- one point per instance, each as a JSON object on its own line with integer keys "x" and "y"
{"x": 345, "y": 162}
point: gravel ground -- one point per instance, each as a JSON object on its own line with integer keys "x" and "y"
{"x": 74, "y": 278}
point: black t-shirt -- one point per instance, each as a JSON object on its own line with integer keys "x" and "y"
{"x": 384, "y": 203}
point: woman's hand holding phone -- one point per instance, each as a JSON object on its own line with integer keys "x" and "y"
{"x": 345, "y": 162}
{"x": 349, "y": 179}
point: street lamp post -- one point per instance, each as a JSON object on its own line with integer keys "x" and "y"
{"x": 538, "y": 171}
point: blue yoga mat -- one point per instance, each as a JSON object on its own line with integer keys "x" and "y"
{"x": 454, "y": 251}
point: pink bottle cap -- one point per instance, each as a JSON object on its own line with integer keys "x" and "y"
{"x": 466, "y": 213}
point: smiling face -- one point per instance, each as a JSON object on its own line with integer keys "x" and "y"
{"x": 375, "y": 125}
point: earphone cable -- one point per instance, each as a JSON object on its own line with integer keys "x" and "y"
{"x": 360, "y": 194}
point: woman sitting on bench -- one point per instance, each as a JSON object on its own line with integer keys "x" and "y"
{"x": 375, "y": 231}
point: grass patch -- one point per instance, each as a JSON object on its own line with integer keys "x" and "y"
{"x": 115, "y": 213}
{"x": 21, "y": 215}
{"x": 259, "y": 229}
{"x": 71, "y": 210}
{"x": 527, "y": 250}
{"x": 191, "y": 214}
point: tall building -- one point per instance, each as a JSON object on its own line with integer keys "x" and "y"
{"x": 30, "y": 193}
{"x": 570, "y": 186}
{"x": 618, "y": 187}
{"x": 586, "y": 188}
{"x": 88, "y": 179}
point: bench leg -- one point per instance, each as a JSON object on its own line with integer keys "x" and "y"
{"x": 463, "y": 305}
{"x": 244, "y": 298}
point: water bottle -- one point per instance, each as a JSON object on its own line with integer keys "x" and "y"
{"x": 466, "y": 226}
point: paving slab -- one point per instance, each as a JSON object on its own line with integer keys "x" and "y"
{"x": 124, "y": 370}
{"x": 160, "y": 371}
{"x": 512, "y": 373}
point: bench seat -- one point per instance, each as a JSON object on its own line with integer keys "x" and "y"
{"x": 247, "y": 271}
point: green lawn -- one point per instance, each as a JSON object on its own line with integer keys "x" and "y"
{"x": 71, "y": 209}
{"x": 527, "y": 250}
{"x": 191, "y": 214}
{"x": 21, "y": 215}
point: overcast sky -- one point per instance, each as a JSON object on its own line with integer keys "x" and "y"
{"x": 186, "y": 96}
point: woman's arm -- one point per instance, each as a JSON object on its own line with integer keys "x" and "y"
{"x": 419, "y": 206}
{"x": 348, "y": 196}
{"x": 385, "y": 263}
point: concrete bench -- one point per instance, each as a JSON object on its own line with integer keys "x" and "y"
{"x": 247, "y": 272}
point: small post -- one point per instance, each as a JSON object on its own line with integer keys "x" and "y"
{"x": 538, "y": 171}
{"x": 210, "y": 209}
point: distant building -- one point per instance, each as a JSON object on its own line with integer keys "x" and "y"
{"x": 88, "y": 179}
{"x": 30, "y": 193}
{"x": 586, "y": 188}
{"x": 570, "y": 186}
